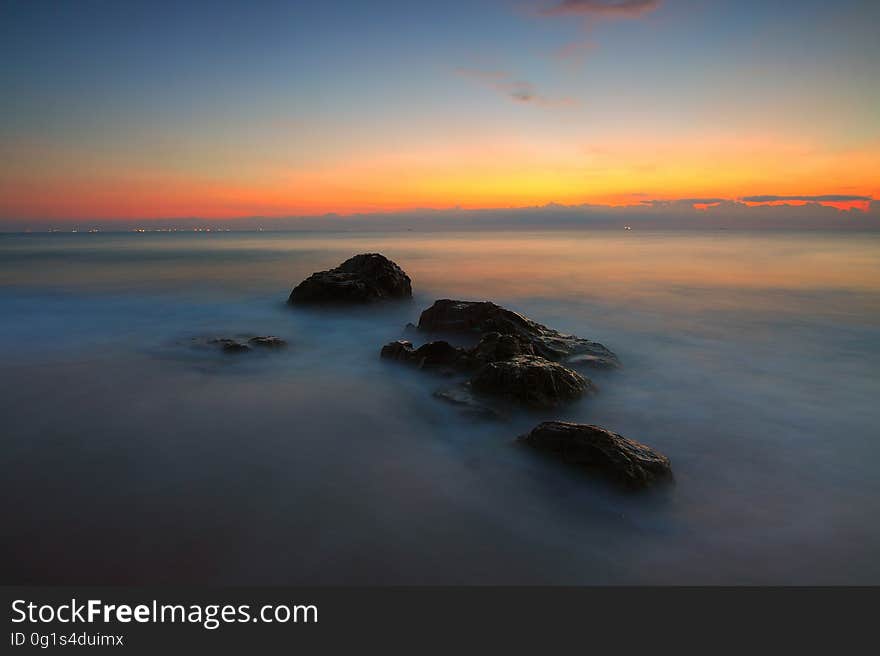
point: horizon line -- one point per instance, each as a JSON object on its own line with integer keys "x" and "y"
{"x": 842, "y": 203}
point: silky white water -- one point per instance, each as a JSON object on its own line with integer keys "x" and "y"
{"x": 751, "y": 360}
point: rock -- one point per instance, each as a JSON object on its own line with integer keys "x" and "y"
{"x": 531, "y": 380}
{"x": 495, "y": 346}
{"x": 232, "y": 345}
{"x": 626, "y": 460}
{"x": 364, "y": 278}
{"x": 492, "y": 348}
{"x": 469, "y": 405}
{"x": 480, "y": 317}
{"x": 433, "y": 355}
{"x": 440, "y": 354}
{"x": 269, "y": 341}
{"x": 400, "y": 350}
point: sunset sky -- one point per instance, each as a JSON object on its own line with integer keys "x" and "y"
{"x": 224, "y": 109}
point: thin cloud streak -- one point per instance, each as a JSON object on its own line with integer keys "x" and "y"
{"x": 607, "y": 8}
{"x": 591, "y": 11}
{"x": 575, "y": 52}
{"x": 518, "y": 91}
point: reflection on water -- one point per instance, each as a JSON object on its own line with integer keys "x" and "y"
{"x": 750, "y": 360}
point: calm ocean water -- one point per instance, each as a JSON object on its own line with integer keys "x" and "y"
{"x": 751, "y": 360}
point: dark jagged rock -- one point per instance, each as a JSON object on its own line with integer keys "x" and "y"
{"x": 626, "y": 460}
{"x": 268, "y": 341}
{"x": 531, "y": 380}
{"x": 364, "y": 278}
{"x": 481, "y": 317}
{"x": 433, "y": 355}
{"x": 462, "y": 397}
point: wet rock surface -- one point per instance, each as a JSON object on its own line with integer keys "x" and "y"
{"x": 364, "y": 278}
{"x": 530, "y": 380}
{"x": 494, "y": 347}
{"x": 627, "y": 461}
{"x": 482, "y": 317}
{"x": 433, "y": 355}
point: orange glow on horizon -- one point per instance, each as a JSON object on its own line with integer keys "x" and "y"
{"x": 495, "y": 172}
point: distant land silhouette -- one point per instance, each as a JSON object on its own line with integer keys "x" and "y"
{"x": 690, "y": 213}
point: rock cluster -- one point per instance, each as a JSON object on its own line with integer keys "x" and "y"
{"x": 514, "y": 359}
{"x": 364, "y": 278}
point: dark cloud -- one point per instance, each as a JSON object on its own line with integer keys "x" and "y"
{"x": 684, "y": 201}
{"x": 620, "y": 8}
{"x": 826, "y": 198}
{"x": 693, "y": 202}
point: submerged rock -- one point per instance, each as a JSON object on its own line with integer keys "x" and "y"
{"x": 626, "y": 460}
{"x": 242, "y": 345}
{"x": 364, "y": 278}
{"x": 592, "y": 361}
{"x": 462, "y": 397}
{"x": 481, "y": 317}
{"x": 531, "y": 380}
{"x": 230, "y": 345}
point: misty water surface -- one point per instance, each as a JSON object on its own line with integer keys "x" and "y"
{"x": 129, "y": 457}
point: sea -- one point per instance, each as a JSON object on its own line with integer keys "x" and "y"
{"x": 130, "y": 455}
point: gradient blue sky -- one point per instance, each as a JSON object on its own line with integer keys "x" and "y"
{"x": 219, "y": 109}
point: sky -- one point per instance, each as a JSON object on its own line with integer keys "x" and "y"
{"x": 128, "y": 110}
